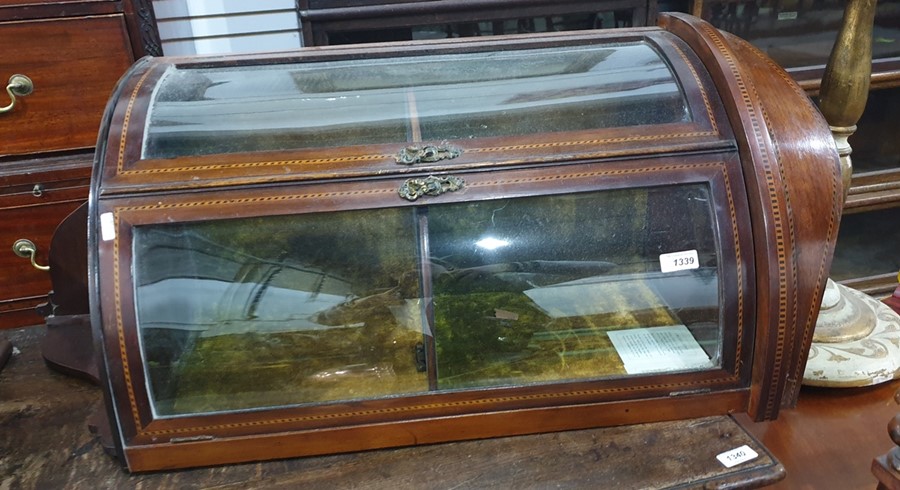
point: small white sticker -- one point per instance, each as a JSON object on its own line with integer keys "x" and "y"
{"x": 737, "y": 456}
{"x": 787, "y": 15}
{"x": 679, "y": 261}
{"x": 107, "y": 227}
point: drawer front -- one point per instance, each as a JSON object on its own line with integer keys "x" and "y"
{"x": 34, "y": 218}
{"x": 74, "y": 63}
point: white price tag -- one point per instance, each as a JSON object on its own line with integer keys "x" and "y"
{"x": 737, "y": 456}
{"x": 107, "y": 227}
{"x": 679, "y": 261}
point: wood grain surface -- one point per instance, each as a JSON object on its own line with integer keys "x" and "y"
{"x": 44, "y": 443}
{"x": 830, "y": 439}
{"x": 74, "y": 67}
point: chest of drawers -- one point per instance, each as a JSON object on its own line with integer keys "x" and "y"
{"x": 72, "y": 53}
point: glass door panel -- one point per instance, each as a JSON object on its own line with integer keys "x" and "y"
{"x": 574, "y": 286}
{"x": 312, "y": 308}
{"x": 281, "y": 310}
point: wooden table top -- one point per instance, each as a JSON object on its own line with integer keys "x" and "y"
{"x": 828, "y": 441}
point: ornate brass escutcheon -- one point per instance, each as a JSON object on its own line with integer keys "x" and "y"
{"x": 432, "y": 185}
{"x": 27, "y": 249}
{"x": 412, "y": 155}
{"x": 19, "y": 85}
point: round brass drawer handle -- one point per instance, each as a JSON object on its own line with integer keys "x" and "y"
{"x": 19, "y": 85}
{"x": 27, "y": 249}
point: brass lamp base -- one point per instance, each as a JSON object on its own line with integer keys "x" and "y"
{"x": 856, "y": 341}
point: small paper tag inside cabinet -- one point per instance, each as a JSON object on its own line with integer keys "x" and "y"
{"x": 669, "y": 348}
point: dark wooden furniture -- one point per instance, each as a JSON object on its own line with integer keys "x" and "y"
{"x": 886, "y": 467}
{"x": 73, "y": 52}
{"x": 800, "y": 36}
{"x": 326, "y": 22}
{"x": 315, "y": 268}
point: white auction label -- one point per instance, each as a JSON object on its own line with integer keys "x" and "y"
{"x": 107, "y": 227}
{"x": 737, "y": 456}
{"x": 679, "y": 261}
{"x": 655, "y": 349}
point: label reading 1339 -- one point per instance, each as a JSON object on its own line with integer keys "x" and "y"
{"x": 679, "y": 261}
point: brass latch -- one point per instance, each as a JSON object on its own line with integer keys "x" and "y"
{"x": 432, "y": 185}
{"x": 412, "y": 155}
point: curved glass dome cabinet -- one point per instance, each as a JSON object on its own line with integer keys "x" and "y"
{"x": 349, "y": 248}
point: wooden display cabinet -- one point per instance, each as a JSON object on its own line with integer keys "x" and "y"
{"x": 345, "y": 248}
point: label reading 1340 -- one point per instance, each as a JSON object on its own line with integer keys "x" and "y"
{"x": 737, "y": 456}
{"x": 679, "y": 261}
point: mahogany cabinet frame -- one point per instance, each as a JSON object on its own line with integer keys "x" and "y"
{"x": 756, "y": 140}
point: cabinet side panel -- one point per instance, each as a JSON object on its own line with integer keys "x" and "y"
{"x": 789, "y": 164}
{"x": 809, "y": 171}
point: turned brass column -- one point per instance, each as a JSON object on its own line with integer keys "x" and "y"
{"x": 842, "y": 99}
{"x": 845, "y": 84}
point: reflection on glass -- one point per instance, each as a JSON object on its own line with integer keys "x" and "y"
{"x": 528, "y": 290}
{"x": 273, "y": 311}
{"x": 798, "y": 33}
{"x": 285, "y": 310}
{"x": 396, "y": 100}
{"x": 493, "y": 27}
